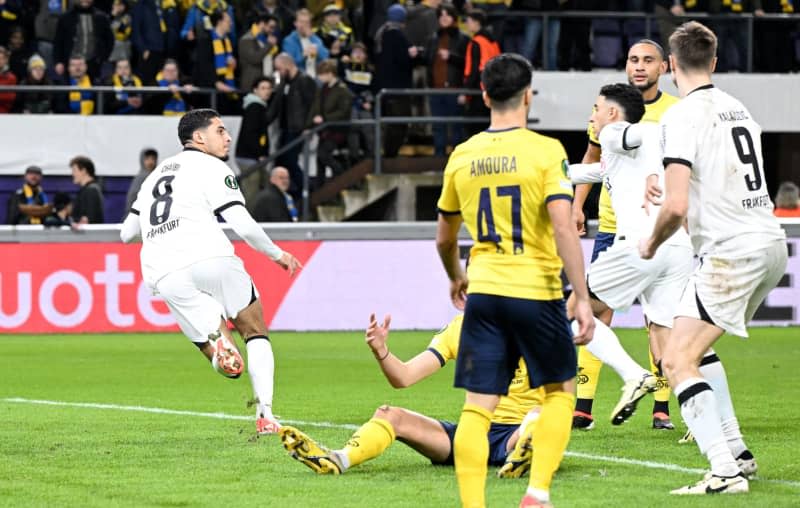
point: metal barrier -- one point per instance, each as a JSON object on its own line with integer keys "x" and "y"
{"x": 649, "y": 18}
{"x": 101, "y": 91}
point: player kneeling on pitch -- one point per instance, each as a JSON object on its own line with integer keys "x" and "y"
{"x": 188, "y": 260}
{"x": 509, "y": 435}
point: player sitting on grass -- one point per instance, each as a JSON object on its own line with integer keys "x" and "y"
{"x": 432, "y": 438}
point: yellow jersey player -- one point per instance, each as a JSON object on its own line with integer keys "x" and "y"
{"x": 509, "y": 186}
{"x": 428, "y": 436}
{"x": 646, "y": 63}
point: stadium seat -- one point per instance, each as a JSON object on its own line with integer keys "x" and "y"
{"x": 606, "y": 43}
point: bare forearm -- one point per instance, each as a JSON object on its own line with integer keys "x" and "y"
{"x": 38, "y": 211}
{"x": 581, "y": 193}
{"x": 448, "y": 253}
{"x": 667, "y": 224}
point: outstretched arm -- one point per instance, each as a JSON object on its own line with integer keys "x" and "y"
{"x": 400, "y": 374}
{"x": 248, "y": 229}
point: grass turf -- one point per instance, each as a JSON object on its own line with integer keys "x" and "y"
{"x": 76, "y": 456}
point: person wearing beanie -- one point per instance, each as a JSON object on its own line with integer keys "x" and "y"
{"x": 394, "y": 62}
{"x": 35, "y": 102}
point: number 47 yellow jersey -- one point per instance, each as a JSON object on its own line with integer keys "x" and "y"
{"x": 500, "y": 182}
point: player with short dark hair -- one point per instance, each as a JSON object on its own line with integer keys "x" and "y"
{"x": 187, "y": 258}
{"x": 645, "y": 64}
{"x": 509, "y": 186}
{"x": 714, "y": 180}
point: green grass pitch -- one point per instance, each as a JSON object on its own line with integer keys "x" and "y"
{"x": 81, "y": 456}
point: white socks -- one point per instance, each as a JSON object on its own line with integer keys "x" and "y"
{"x": 712, "y": 369}
{"x": 261, "y": 367}
{"x": 699, "y": 411}
{"x": 605, "y": 346}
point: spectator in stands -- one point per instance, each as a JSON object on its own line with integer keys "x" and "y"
{"x": 335, "y": 35}
{"x": 171, "y": 104}
{"x": 198, "y": 24}
{"x": 494, "y": 10}
{"x": 36, "y": 102}
{"x": 444, "y": 54}
{"x": 29, "y": 204}
{"x": 774, "y": 50}
{"x": 155, "y": 34}
{"x": 6, "y": 78}
{"x": 148, "y": 160}
{"x": 45, "y": 27}
{"x": 121, "y": 26}
{"x": 395, "y": 55}
{"x": 481, "y": 48}
{"x": 20, "y": 53}
{"x": 282, "y": 13}
{"x": 732, "y": 41}
{"x": 422, "y": 20}
{"x": 533, "y": 29}
{"x": 88, "y": 208}
{"x": 62, "y": 211}
{"x": 291, "y": 104}
{"x": 215, "y": 64}
{"x": 274, "y": 203}
{"x": 333, "y": 103}
{"x": 358, "y": 75}
{"x": 77, "y": 102}
{"x": 303, "y": 45}
{"x": 121, "y": 102}
{"x": 574, "y": 50}
{"x": 83, "y": 31}
{"x": 10, "y": 15}
{"x": 255, "y": 46}
{"x": 787, "y": 200}
{"x": 252, "y": 145}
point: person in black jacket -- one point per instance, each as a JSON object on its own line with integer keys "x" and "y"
{"x": 88, "y": 207}
{"x": 252, "y": 144}
{"x": 291, "y": 104}
{"x": 273, "y": 203}
{"x": 395, "y": 56}
{"x": 150, "y": 43}
{"x": 84, "y": 31}
{"x": 444, "y": 55}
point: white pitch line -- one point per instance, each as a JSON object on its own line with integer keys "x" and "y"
{"x": 162, "y": 411}
{"x": 330, "y": 425}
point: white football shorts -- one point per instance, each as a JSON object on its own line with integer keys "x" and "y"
{"x": 731, "y": 287}
{"x": 204, "y": 293}
{"x": 619, "y": 276}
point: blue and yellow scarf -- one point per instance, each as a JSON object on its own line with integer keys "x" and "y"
{"x": 117, "y": 82}
{"x": 175, "y": 106}
{"x": 81, "y": 102}
{"x": 34, "y": 196}
{"x": 222, "y": 51}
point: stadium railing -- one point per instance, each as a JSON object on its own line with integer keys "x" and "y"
{"x": 101, "y": 91}
{"x": 651, "y": 20}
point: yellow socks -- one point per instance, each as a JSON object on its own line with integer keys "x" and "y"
{"x": 551, "y": 438}
{"x": 372, "y": 439}
{"x": 588, "y": 376}
{"x": 471, "y": 451}
{"x": 661, "y": 395}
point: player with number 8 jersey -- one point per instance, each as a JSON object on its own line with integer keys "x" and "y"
{"x": 187, "y": 258}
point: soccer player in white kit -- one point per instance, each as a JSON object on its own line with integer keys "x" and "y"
{"x": 187, "y": 258}
{"x": 713, "y": 177}
{"x": 631, "y": 152}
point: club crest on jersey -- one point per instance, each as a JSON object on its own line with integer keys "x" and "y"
{"x": 565, "y": 168}
{"x": 230, "y": 181}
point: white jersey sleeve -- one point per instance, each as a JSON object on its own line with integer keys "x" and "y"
{"x": 586, "y": 173}
{"x": 679, "y": 137}
{"x": 621, "y": 137}
{"x": 220, "y": 186}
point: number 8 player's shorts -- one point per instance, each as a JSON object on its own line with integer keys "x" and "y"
{"x": 202, "y": 294}
{"x": 726, "y": 289}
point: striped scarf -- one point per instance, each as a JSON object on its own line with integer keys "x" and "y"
{"x": 787, "y": 6}
{"x": 733, "y": 5}
{"x": 81, "y": 102}
{"x": 222, "y": 52}
{"x": 175, "y": 106}
{"x": 34, "y": 196}
{"x": 260, "y": 36}
{"x": 118, "y": 82}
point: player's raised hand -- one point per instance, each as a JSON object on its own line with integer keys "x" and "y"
{"x": 289, "y": 263}
{"x": 458, "y": 292}
{"x": 652, "y": 193}
{"x": 585, "y": 319}
{"x": 377, "y": 333}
